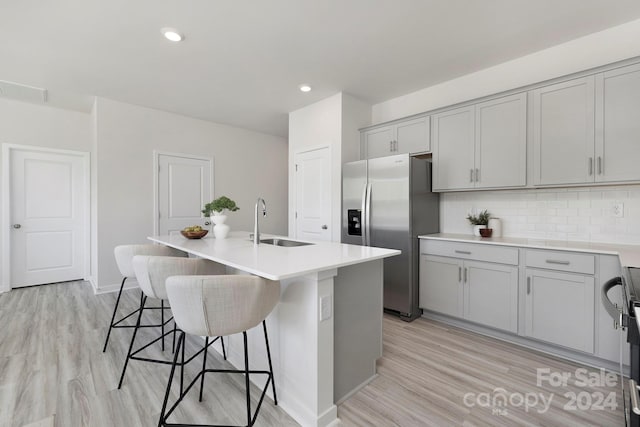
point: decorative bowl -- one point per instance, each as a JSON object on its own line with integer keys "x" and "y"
{"x": 194, "y": 234}
{"x": 486, "y": 232}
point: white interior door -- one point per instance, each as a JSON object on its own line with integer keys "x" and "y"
{"x": 313, "y": 194}
{"x": 184, "y": 186}
{"x": 48, "y": 213}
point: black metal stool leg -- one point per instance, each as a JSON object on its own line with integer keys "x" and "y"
{"x": 273, "y": 382}
{"x": 168, "y": 391}
{"x": 184, "y": 342}
{"x": 133, "y": 338}
{"x": 113, "y": 317}
{"x": 224, "y": 352}
{"x": 204, "y": 366}
{"x": 246, "y": 378}
{"x": 173, "y": 345}
{"x": 162, "y": 320}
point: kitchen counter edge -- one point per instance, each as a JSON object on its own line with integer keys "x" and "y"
{"x": 629, "y": 254}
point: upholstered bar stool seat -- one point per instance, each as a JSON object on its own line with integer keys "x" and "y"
{"x": 152, "y": 273}
{"x": 124, "y": 259}
{"x": 213, "y": 306}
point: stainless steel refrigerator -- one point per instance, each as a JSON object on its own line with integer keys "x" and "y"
{"x": 387, "y": 202}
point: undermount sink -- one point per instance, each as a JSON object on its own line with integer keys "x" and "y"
{"x": 284, "y": 242}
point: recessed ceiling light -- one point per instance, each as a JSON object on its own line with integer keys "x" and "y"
{"x": 172, "y": 34}
{"x": 305, "y": 88}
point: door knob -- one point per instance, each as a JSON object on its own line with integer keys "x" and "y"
{"x": 16, "y": 226}
{"x": 324, "y": 227}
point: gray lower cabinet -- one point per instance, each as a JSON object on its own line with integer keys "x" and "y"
{"x": 481, "y": 292}
{"x": 560, "y": 308}
{"x": 491, "y": 295}
{"x": 441, "y": 285}
{"x": 548, "y": 298}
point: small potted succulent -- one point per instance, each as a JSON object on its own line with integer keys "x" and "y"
{"x": 216, "y": 211}
{"x": 479, "y": 223}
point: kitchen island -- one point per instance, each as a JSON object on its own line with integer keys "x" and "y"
{"x": 326, "y": 331}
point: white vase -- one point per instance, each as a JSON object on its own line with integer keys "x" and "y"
{"x": 476, "y": 229}
{"x": 220, "y": 229}
{"x": 496, "y": 225}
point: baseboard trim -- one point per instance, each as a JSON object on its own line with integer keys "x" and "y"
{"x": 129, "y": 284}
{"x": 550, "y": 349}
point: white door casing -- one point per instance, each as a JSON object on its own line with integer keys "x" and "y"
{"x": 46, "y": 215}
{"x": 313, "y": 194}
{"x": 183, "y": 185}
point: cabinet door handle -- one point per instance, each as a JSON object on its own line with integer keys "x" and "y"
{"x": 395, "y": 145}
{"x": 462, "y": 252}
{"x": 557, "y": 261}
{"x": 465, "y": 275}
{"x": 459, "y": 274}
{"x": 590, "y": 166}
{"x": 528, "y": 285}
{"x": 599, "y": 165}
{"x": 470, "y": 175}
{"x": 390, "y": 146}
{"x": 477, "y": 175}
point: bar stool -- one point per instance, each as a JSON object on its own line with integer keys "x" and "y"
{"x": 213, "y": 306}
{"x": 152, "y": 273}
{"x": 124, "y": 256}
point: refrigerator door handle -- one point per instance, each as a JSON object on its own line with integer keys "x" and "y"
{"x": 368, "y": 215}
{"x": 363, "y": 215}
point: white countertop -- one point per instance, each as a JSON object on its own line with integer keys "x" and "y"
{"x": 275, "y": 262}
{"x": 629, "y": 254}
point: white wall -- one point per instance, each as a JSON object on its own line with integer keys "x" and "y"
{"x": 332, "y": 122}
{"x": 575, "y": 214}
{"x": 43, "y": 126}
{"x": 579, "y": 214}
{"x": 247, "y": 165}
{"x": 611, "y": 45}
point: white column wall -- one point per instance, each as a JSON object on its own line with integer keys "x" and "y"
{"x": 332, "y": 122}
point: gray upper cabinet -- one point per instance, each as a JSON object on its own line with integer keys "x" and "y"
{"x": 482, "y": 145}
{"x": 563, "y": 132}
{"x": 501, "y": 142}
{"x": 454, "y": 149}
{"x": 378, "y": 142}
{"x": 617, "y": 148}
{"x": 409, "y": 136}
{"x": 586, "y": 130}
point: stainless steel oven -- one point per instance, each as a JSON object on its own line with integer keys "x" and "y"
{"x": 626, "y": 319}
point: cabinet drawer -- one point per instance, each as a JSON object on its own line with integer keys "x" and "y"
{"x": 561, "y": 261}
{"x": 473, "y": 251}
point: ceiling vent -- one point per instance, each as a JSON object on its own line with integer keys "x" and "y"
{"x": 22, "y": 92}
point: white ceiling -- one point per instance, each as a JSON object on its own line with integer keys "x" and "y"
{"x": 242, "y": 60}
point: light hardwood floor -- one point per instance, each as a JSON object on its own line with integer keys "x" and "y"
{"x": 53, "y": 372}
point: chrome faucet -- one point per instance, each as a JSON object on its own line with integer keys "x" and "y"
{"x": 256, "y": 228}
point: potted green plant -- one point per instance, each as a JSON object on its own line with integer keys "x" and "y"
{"x": 479, "y": 221}
{"x": 215, "y": 210}
{"x": 219, "y": 205}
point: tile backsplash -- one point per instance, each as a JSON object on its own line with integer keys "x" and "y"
{"x": 579, "y": 214}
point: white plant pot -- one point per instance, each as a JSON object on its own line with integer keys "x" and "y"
{"x": 476, "y": 229}
{"x": 220, "y": 229}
